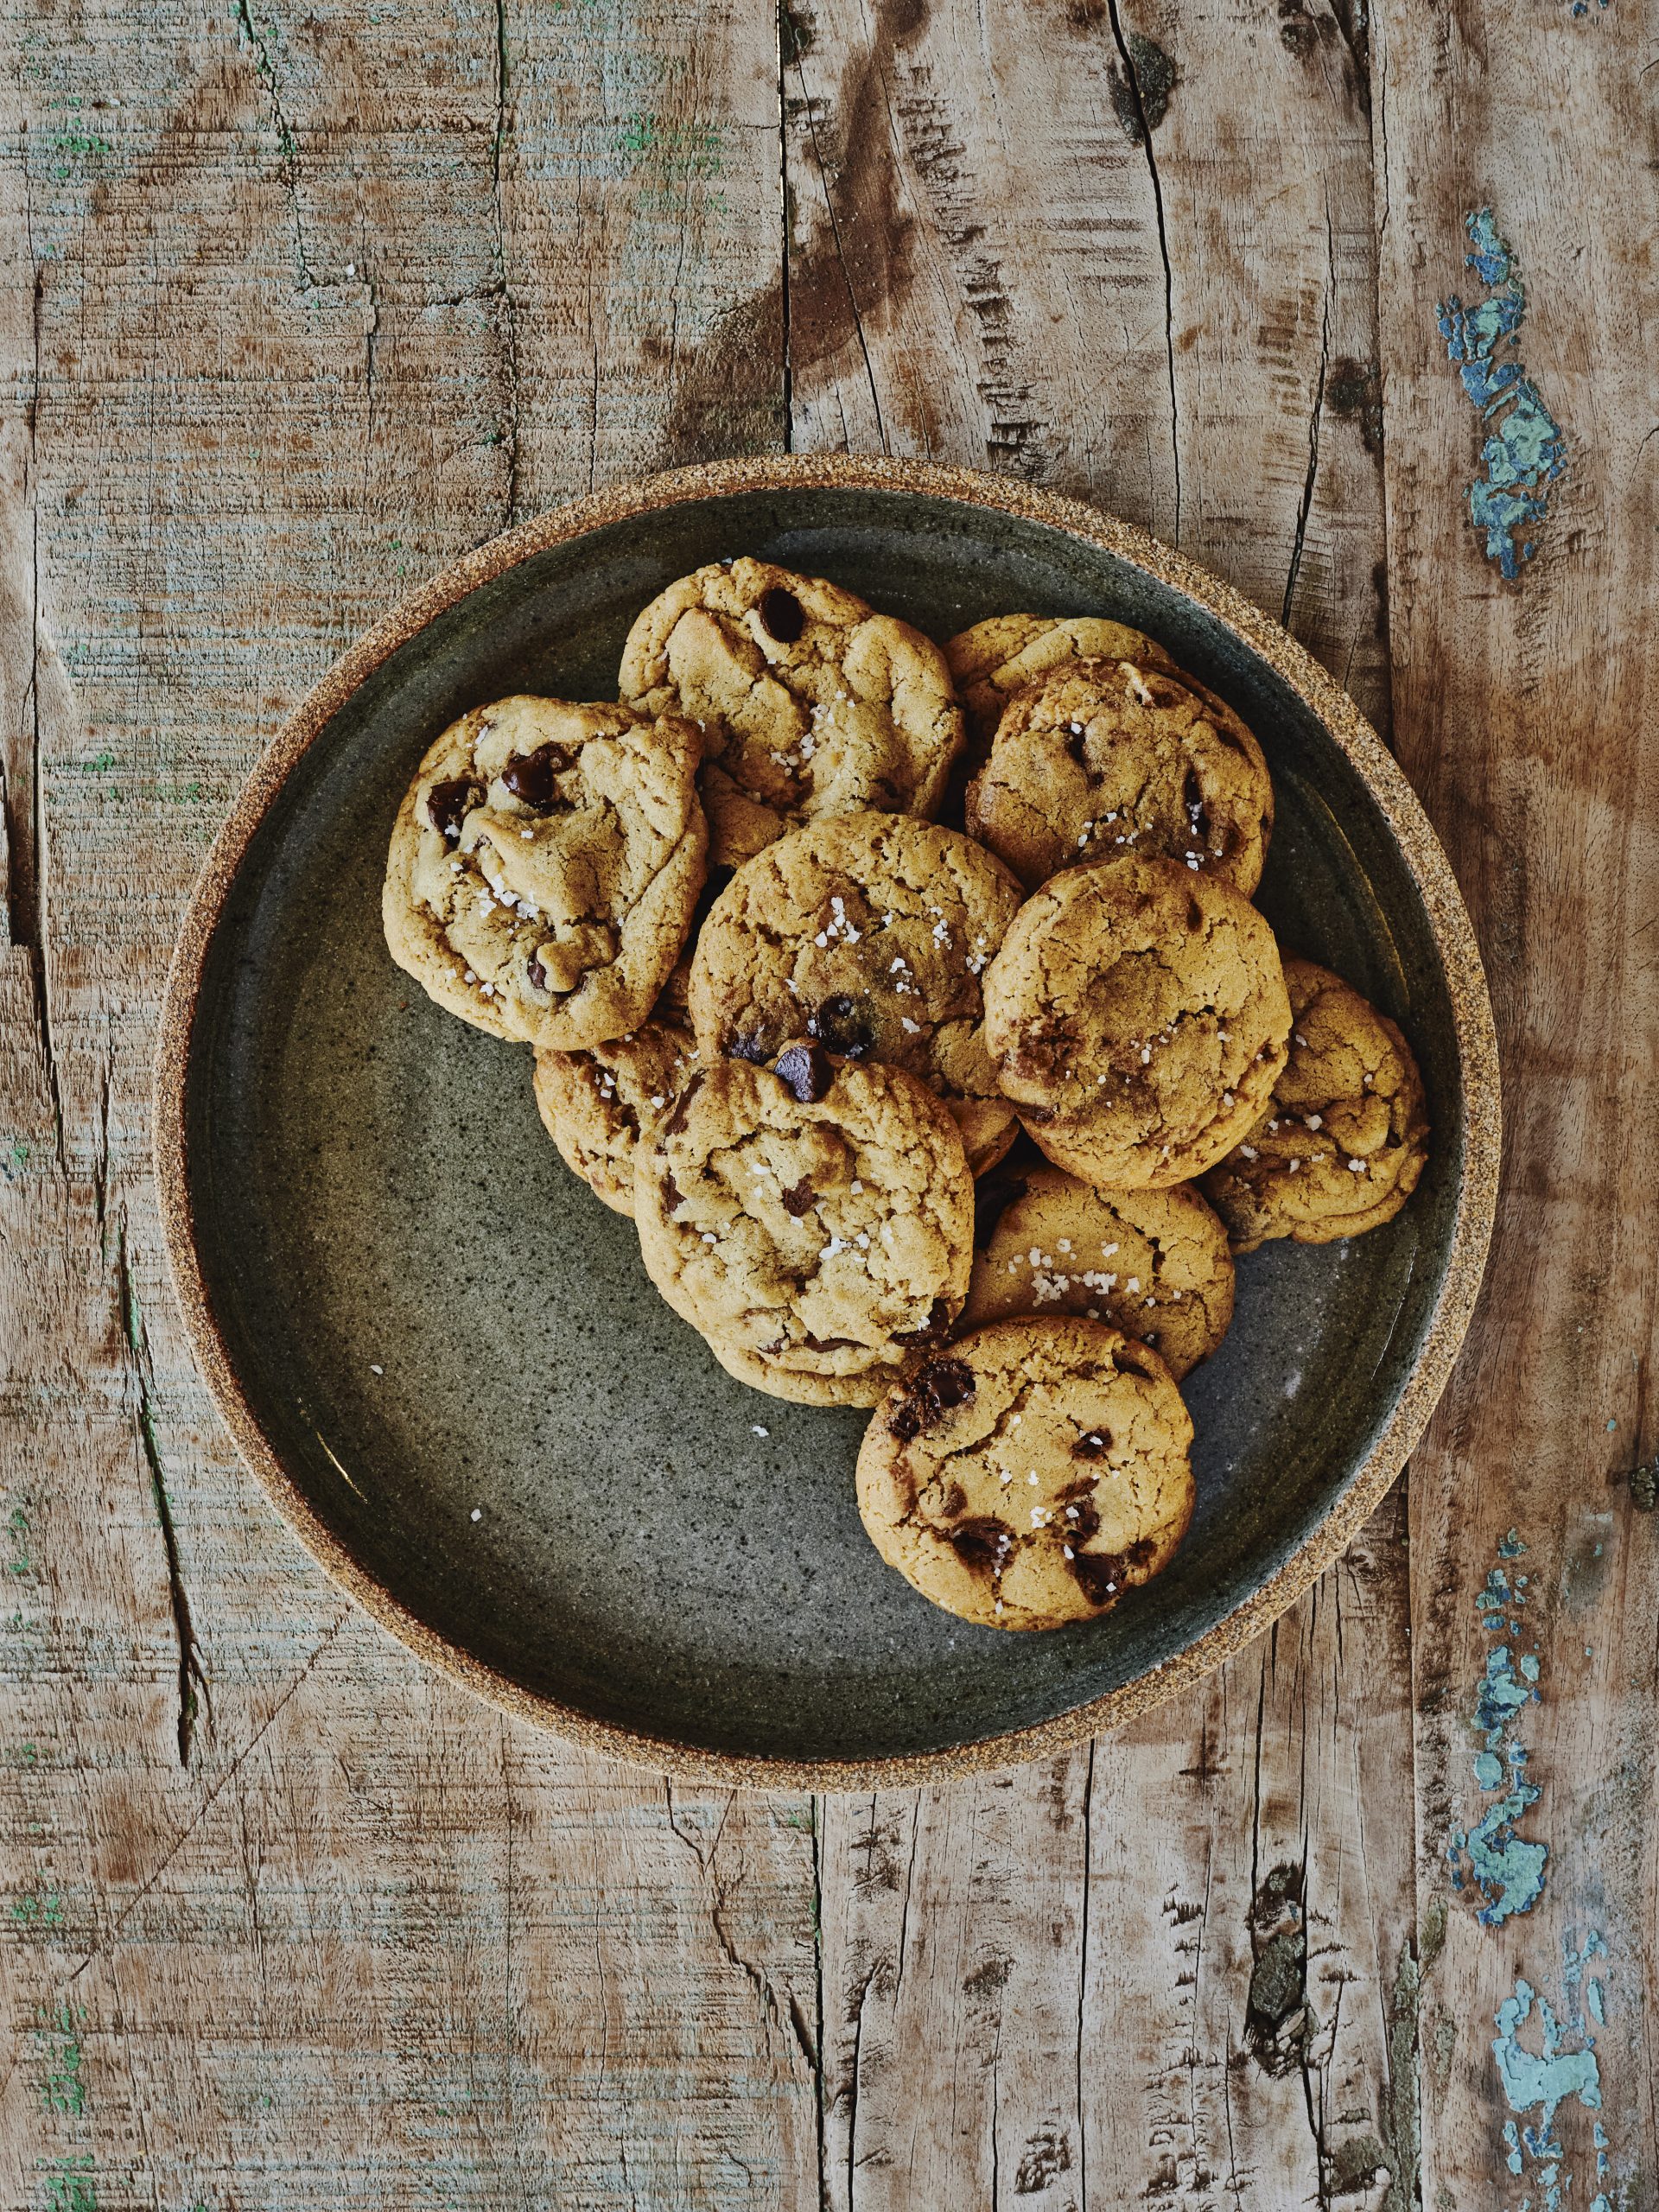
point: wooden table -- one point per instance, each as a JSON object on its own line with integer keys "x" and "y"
{"x": 302, "y": 302}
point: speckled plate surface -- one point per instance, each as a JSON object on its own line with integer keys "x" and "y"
{"x": 440, "y": 1352}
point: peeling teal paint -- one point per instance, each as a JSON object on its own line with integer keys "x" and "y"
{"x": 1564, "y": 2066}
{"x": 1526, "y": 452}
{"x": 1508, "y": 1870}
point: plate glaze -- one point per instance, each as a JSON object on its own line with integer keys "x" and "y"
{"x": 410, "y": 1312}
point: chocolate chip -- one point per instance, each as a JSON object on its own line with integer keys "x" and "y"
{"x": 842, "y": 1025}
{"x": 753, "y": 1048}
{"x": 984, "y": 1543}
{"x": 448, "y": 805}
{"x": 943, "y": 1383}
{"x": 1074, "y": 733}
{"x": 682, "y": 1108}
{"x": 1194, "y": 914}
{"x": 782, "y": 615}
{"x": 993, "y": 1195}
{"x": 1097, "y": 1576}
{"x": 1094, "y": 1446}
{"x": 1080, "y": 1513}
{"x": 537, "y": 973}
{"x": 801, "y": 1199}
{"x": 955, "y": 1502}
{"x": 804, "y": 1070}
{"x": 673, "y": 1196}
{"x": 933, "y": 1331}
{"x": 907, "y": 1421}
{"x": 829, "y": 1344}
{"x": 529, "y": 776}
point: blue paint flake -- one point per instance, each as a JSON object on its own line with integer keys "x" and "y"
{"x": 1526, "y": 452}
{"x": 1506, "y": 1869}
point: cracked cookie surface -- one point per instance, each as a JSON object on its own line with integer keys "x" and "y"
{"x": 544, "y": 866}
{"x": 814, "y": 1220}
{"x": 871, "y": 932}
{"x": 1153, "y": 1263}
{"x": 810, "y": 702}
{"x": 1101, "y": 757}
{"x": 1138, "y": 1016}
{"x": 1029, "y": 1474}
{"x": 1345, "y": 1138}
{"x": 594, "y": 1104}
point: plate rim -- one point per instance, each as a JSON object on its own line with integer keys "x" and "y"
{"x": 1426, "y": 862}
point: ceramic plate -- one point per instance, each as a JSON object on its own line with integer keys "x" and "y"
{"x": 440, "y": 1352}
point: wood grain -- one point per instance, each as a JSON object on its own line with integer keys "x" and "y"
{"x": 301, "y": 304}
{"x": 1523, "y": 713}
{"x": 298, "y": 304}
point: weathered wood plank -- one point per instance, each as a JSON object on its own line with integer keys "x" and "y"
{"x": 1166, "y": 1973}
{"x": 299, "y": 305}
{"x": 1522, "y": 712}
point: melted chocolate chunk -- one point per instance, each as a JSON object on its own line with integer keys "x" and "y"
{"x": 828, "y": 1343}
{"x": 537, "y": 973}
{"x": 1080, "y": 1514}
{"x": 933, "y": 1331}
{"x": 955, "y": 1502}
{"x": 754, "y": 1049}
{"x": 673, "y": 1196}
{"x": 943, "y": 1383}
{"x": 906, "y": 1422}
{"x": 448, "y": 804}
{"x": 1097, "y": 1575}
{"x": 842, "y": 1025}
{"x": 1101, "y": 1575}
{"x": 993, "y": 1195}
{"x": 1045, "y": 1048}
{"x": 985, "y": 1542}
{"x": 1074, "y": 733}
{"x": 1194, "y": 914}
{"x": 529, "y": 777}
{"x": 677, "y": 1120}
{"x": 1094, "y": 1446}
{"x": 801, "y": 1199}
{"x": 782, "y": 615}
{"x": 805, "y": 1071}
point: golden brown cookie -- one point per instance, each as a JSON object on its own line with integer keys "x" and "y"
{"x": 1031, "y": 1473}
{"x": 1138, "y": 1016}
{"x": 814, "y": 1218}
{"x": 594, "y": 1105}
{"x": 870, "y": 932}
{"x": 991, "y": 662}
{"x": 1102, "y": 758}
{"x": 544, "y": 866}
{"x": 1153, "y": 1263}
{"x": 810, "y": 702}
{"x": 1345, "y": 1137}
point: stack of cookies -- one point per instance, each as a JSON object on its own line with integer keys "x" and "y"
{"x": 964, "y": 1124}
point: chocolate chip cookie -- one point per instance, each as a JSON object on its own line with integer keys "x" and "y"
{"x": 1345, "y": 1138}
{"x": 1138, "y": 1016}
{"x": 594, "y": 1105}
{"x": 814, "y": 1218}
{"x": 810, "y": 702}
{"x": 1153, "y": 1263}
{"x": 995, "y": 659}
{"x": 1102, "y": 758}
{"x": 870, "y": 932}
{"x": 1030, "y": 1474}
{"x": 544, "y": 866}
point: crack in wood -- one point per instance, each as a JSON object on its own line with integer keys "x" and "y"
{"x": 192, "y": 1689}
{"x": 1307, "y": 501}
{"x": 1137, "y": 92}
